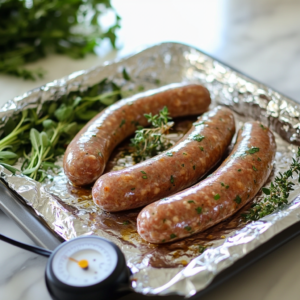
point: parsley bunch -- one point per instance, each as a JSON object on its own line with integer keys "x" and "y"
{"x": 29, "y": 30}
{"x": 278, "y": 193}
{"x": 149, "y": 142}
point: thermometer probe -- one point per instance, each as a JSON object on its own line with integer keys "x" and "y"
{"x": 87, "y": 267}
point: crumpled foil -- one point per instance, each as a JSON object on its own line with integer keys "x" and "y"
{"x": 178, "y": 267}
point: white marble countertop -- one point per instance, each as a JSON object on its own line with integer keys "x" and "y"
{"x": 261, "y": 38}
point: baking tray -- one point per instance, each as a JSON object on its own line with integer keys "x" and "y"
{"x": 38, "y": 230}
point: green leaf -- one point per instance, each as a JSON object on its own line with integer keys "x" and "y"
{"x": 35, "y": 138}
{"x": 9, "y": 126}
{"x": 4, "y": 155}
{"x": 47, "y": 165}
{"x": 44, "y": 139}
{"x": 47, "y": 124}
{"x": 63, "y": 113}
{"x": 9, "y": 168}
{"x": 86, "y": 115}
{"x": 52, "y": 108}
{"x": 266, "y": 191}
{"x": 71, "y": 129}
{"x": 77, "y": 101}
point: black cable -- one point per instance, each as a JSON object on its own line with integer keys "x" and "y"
{"x": 34, "y": 249}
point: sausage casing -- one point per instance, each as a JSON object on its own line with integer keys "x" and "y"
{"x": 87, "y": 154}
{"x": 219, "y": 196}
{"x": 175, "y": 169}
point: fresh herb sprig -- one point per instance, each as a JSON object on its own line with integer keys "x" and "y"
{"x": 29, "y": 30}
{"x": 278, "y": 193}
{"x": 40, "y": 137}
{"x": 149, "y": 142}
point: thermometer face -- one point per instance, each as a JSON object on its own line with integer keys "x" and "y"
{"x": 84, "y": 262}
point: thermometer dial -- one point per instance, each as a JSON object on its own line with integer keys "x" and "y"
{"x": 86, "y": 268}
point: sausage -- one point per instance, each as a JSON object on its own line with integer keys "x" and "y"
{"x": 87, "y": 154}
{"x": 219, "y": 196}
{"x": 175, "y": 169}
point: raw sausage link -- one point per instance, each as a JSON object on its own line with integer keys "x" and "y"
{"x": 219, "y": 196}
{"x": 87, "y": 154}
{"x": 173, "y": 170}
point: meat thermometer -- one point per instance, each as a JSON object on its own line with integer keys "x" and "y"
{"x": 87, "y": 267}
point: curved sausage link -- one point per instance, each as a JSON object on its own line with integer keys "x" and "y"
{"x": 87, "y": 154}
{"x": 219, "y": 196}
{"x": 173, "y": 170}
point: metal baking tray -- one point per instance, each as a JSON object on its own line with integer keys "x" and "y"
{"x": 281, "y": 118}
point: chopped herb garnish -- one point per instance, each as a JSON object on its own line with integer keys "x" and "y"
{"x": 198, "y": 137}
{"x": 225, "y": 185}
{"x": 253, "y": 167}
{"x": 216, "y": 196}
{"x": 94, "y": 135}
{"x": 132, "y": 189}
{"x": 100, "y": 154}
{"x": 201, "y": 148}
{"x": 237, "y": 199}
{"x": 163, "y": 240}
{"x": 191, "y": 201}
{"x": 144, "y": 177}
{"x": 143, "y": 172}
{"x": 198, "y": 210}
{"x": 184, "y": 153}
{"x": 182, "y": 165}
{"x": 122, "y": 123}
{"x": 254, "y": 181}
{"x": 188, "y": 228}
{"x": 239, "y": 170}
{"x": 126, "y": 223}
{"x": 253, "y": 150}
{"x": 172, "y": 179}
{"x": 135, "y": 123}
{"x": 173, "y": 236}
{"x": 164, "y": 220}
{"x": 169, "y": 153}
{"x": 258, "y": 159}
{"x": 262, "y": 126}
{"x": 194, "y": 167}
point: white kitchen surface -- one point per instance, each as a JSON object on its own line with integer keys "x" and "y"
{"x": 261, "y": 38}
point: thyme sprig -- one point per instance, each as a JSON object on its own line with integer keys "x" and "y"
{"x": 149, "y": 142}
{"x": 278, "y": 193}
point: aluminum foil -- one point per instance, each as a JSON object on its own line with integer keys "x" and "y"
{"x": 178, "y": 267}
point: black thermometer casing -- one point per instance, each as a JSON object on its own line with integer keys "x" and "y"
{"x": 111, "y": 287}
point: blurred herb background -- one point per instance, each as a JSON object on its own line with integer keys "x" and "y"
{"x": 31, "y": 29}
